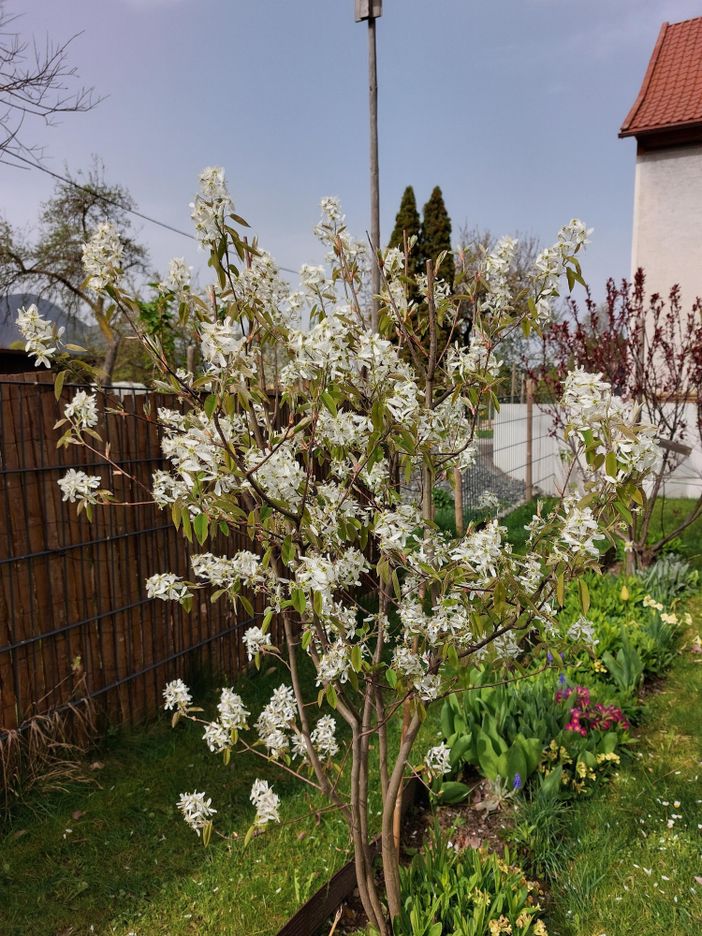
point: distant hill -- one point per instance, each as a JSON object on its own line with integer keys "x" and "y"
{"x": 76, "y": 331}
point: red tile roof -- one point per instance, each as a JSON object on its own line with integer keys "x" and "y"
{"x": 671, "y": 93}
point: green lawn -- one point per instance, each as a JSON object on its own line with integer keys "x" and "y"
{"x": 633, "y": 854}
{"x": 115, "y": 857}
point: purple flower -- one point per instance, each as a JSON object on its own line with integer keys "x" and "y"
{"x": 517, "y": 785}
{"x": 549, "y": 657}
{"x": 562, "y": 679}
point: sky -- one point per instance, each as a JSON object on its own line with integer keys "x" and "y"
{"x": 511, "y": 106}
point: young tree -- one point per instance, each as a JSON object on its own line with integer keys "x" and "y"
{"x": 52, "y": 265}
{"x": 649, "y": 350}
{"x": 308, "y": 469}
{"x": 435, "y": 237}
{"x": 34, "y": 87}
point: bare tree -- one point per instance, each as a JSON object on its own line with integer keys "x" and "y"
{"x": 649, "y": 349}
{"x": 52, "y": 265}
{"x": 37, "y": 84}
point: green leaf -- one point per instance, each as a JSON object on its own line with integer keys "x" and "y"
{"x": 356, "y": 657}
{"x": 584, "y": 595}
{"x": 611, "y": 465}
{"x": 391, "y": 678}
{"x": 299, "y": 600}
{"x": 210, "y": 405}
{"x": 201, "y": 527}
{"x": 453, "y": 792}
{"x": 329, "y": 402}
{"x": 58, "y": 384}
{"x": 331, "y": 695}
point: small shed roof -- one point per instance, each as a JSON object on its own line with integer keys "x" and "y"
{"x": 671, "y": 93}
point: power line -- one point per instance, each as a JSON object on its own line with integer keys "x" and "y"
{"x": 112, "y": 201}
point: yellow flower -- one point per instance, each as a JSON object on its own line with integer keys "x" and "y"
{"x": 540, "y": 929}
{"x": 669, "y": 618}
{"x": 599, "y": 666}
{"x": 523, "y": 919}
{"x": 499, "y": 926}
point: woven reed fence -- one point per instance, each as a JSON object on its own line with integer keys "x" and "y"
{"x": 74, "y": 617}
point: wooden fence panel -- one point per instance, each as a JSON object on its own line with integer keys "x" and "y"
{"x": 72, "y": 595}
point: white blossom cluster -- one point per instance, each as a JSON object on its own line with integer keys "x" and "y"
{"x": 227, "y": 571}
{"x": 277, "y": 718}
{"x": 590, "y": 408}
{"x": 221, "y": 344}
{"x": 42, "y": 338}
{"x": 582, "y": 631}
{"x": 232, "y": 711}
{"x": 482, "y": 549}
{"x": 323, "y": 738}
{"x": 79, "y": 487}
{"x": 580, "y": 532}
{"x": 82, "y": 410}
{"x": 167, "y": 586}
{"x": 178, "y": 279}
{"x": 176, "y": 696}
{"x": 211, "y": 206}
{"x": 102, "y": 257}
{"x": 438, "y": 760}
{"x": 267, "y": 803}
{"x": 477, "y": 361}
{"x": 197, "y": 810}
{"x": 255, "y": 641}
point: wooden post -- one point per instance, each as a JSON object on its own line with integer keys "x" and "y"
{"x": 458, "y": 501}
{"x": 529, "y": 486}
{"x": 513, "y": 394}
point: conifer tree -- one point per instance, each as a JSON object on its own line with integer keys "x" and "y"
{"x": 408, "y": 221}
{"x": 435, "y": 235}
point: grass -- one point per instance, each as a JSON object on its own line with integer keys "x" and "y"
{"x": 117, "y": 858}
{"x": 120, "y": 858}
{"x": 625, "y": 867}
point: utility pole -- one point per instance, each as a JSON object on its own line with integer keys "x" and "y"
{"x": 370, "y": 10}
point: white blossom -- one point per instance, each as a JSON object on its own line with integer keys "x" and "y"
{"x": 580, "y": 532}
{"x": 217, "y": 738}
{"x": 267, "y": 803}
{"x": 178, "y": 280}
{"x": 197, "y": 810}
{"x": 232, "y": 712}
{"x": 79, "y": 487}
{"x": 176, "y": 696}
{"x": 102, "y": 256}
{"x": 42, "y": 338}
{"x": 211, "y": 206}
{"x": 323, "y": 738}
{"x": 167, "y": 586}
{"x": 438, "y": 760}
{"x": 582, "y": 630}
{"x": 82, "y": 410}
{"x": 255, "y": 641}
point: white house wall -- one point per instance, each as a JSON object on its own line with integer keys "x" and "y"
{"x": 667, "y": 235}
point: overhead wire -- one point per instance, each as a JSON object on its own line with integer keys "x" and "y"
{"x": 112, "y": 201}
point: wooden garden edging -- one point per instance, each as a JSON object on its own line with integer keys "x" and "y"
{"x": 313, "y": 914}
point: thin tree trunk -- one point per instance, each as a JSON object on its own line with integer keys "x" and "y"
{"x": 110, "y": 359}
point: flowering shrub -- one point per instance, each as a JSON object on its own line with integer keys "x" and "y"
{"x": 297, "y": 438}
